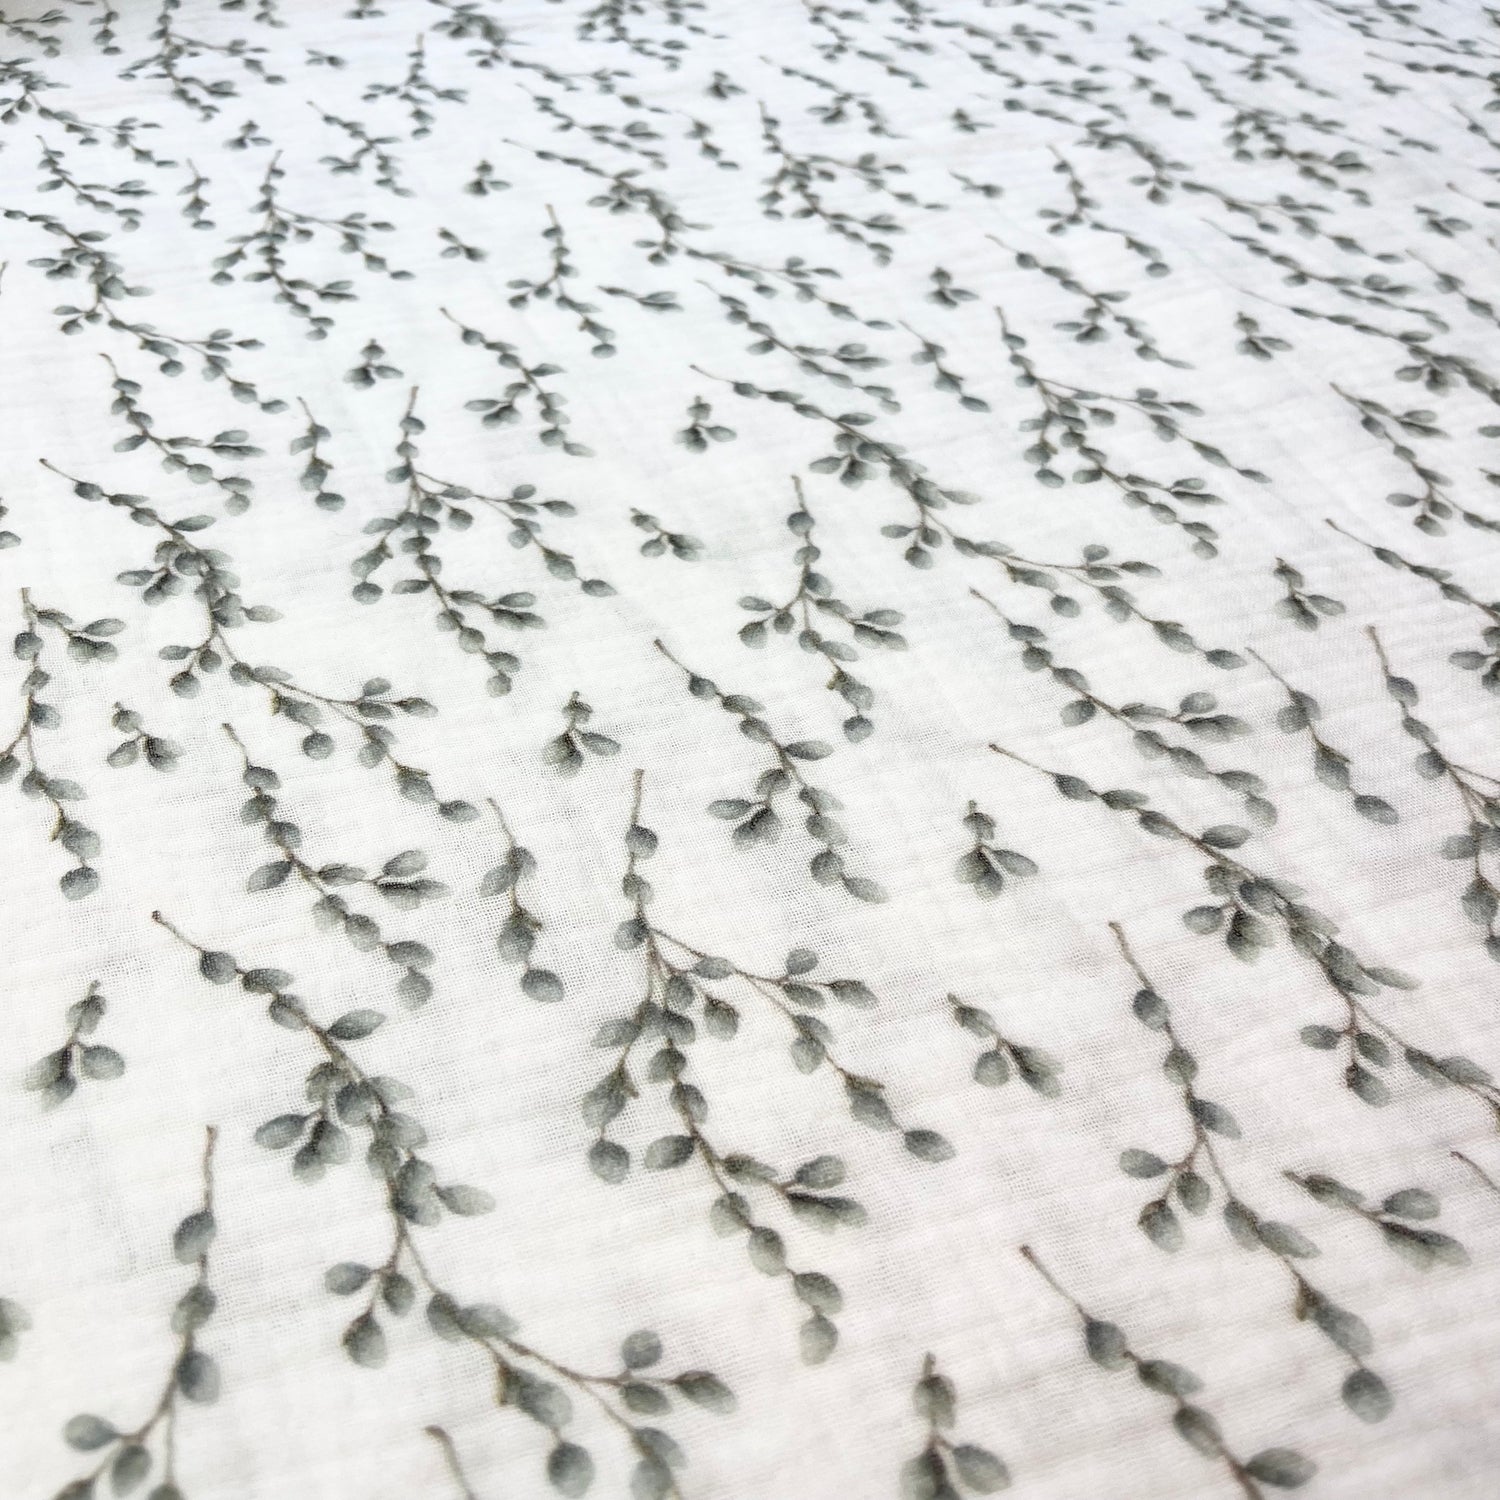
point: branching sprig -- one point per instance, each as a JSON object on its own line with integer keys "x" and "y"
{"x": 1478, "y": 794}
{"x": 1300, "y": 715}
{"x": 416, "y": 91}
{"x": 1109, "y": 1348}
{"x": 679, "y": 979}
{"x": 83, "y": 258}
{"x": 1197, "y": 714}
{"x": 174, "y": 47}
{"x": 1101, "y": 311}
{"x": 282, "y": 227}
{"x": 195, "y": 209}
{"x": 126, "y": 1454}
{"x": 431, "y": 504}
{"x": 1433, "y": 505}
{"x": 400, "y": 881}
{"x": 178, "y": 563}
{"x": 505, "y": 409}
{"x": 85, "y": 643}
{"x": 944, "y": 379}
{"x": 553, "y": 288}
{"x": 345, "y": 1098}
{"x": 1191, "y": 1179}
{"x": 14, "y": 1321}
{"x": 756, "y": 820}
{"x": 1081, "y": 210}
{"x": 859, "y": 456}
{"x": 1070, "y": 420}
{"x": 233, "y": 443}
{"x": 1249, "y": 907}
{"x": 1486, "y": 662}
{"x": 839, "y": 366}
{"x": 368, "y": 148}
{"x": 517, "y": 937}
{"x": 316, "y": 470}
{"x": 116, "y": 200}
{"x": 794, "y": 189}
{"x": 814, "y": 603}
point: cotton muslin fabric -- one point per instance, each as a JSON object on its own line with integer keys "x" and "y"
{"x": 750, "y": 752}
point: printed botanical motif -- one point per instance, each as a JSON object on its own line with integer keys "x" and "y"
{"x": 830, "y": 669}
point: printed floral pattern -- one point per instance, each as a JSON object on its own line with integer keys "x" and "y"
{"x": 714, "y": 858}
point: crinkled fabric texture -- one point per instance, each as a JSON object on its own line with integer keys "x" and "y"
{"x": 750, "y": 750}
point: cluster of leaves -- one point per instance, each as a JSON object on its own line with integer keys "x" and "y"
{"x": 660, "y": 540}
{"x": 1002, "y": 1058}
{"x": 159, "y": 753}
{"x": 1398, "y": 1216}
{"x": 1305, "y": 610}
{"x": 985, "y": 865}
{"x": 57, "y": 1075}
{"x": 371, "y": 369}
{"x": 701, "y": 429}
{"x": 945, "y": 1470}
{"x": 565, "y": 753}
